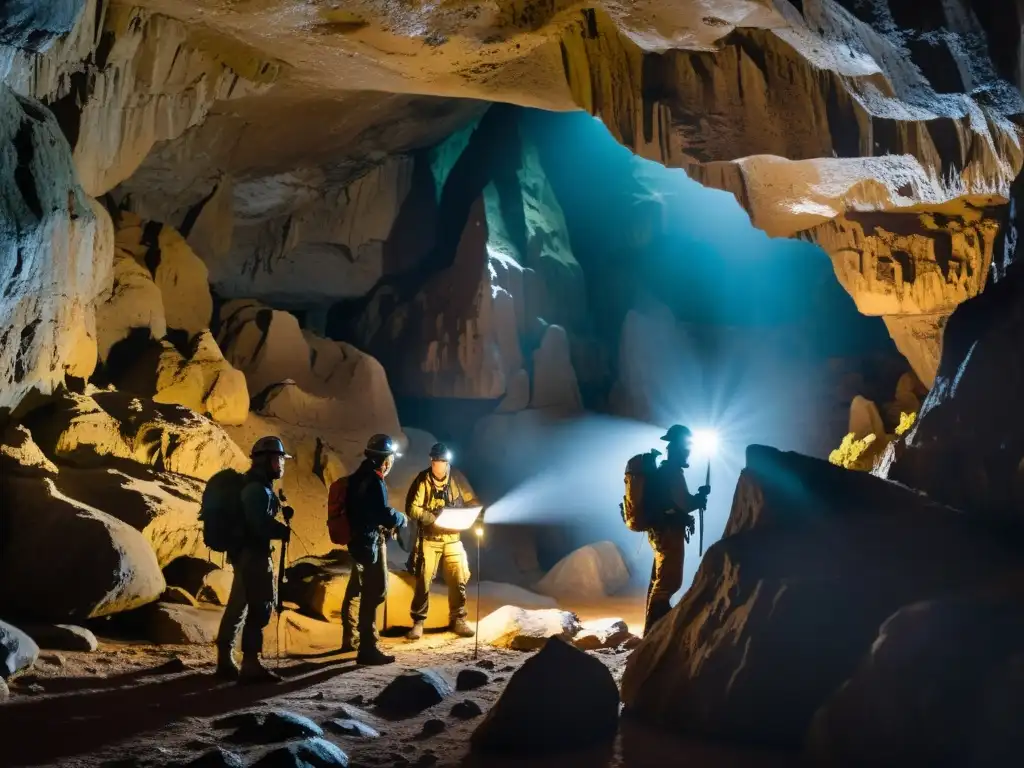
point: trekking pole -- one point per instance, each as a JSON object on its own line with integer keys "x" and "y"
{"x": 703, "y": 507}
{"x": 282, "y": 577}
{"x": 479, "y": 530}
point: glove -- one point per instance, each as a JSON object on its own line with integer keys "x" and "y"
{"x": 288, "y": 512}
{"x": 691, "y": 524}
{"x": 704, "y": 490}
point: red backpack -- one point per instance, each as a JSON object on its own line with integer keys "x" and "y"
{"x": 338, "y": 525}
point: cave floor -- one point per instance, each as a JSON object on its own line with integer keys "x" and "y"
{"x": 134, "y": 704}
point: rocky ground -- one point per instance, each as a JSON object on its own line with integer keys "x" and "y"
{"x": 133, "y": 704}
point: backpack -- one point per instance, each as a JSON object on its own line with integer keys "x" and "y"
{"x": 638, "y": 504}
{"x": 339, "y": 527}
{"x": 221, "y": 511}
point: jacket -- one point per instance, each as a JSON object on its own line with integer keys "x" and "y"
{"x": 427, "y": 498}
{"x": 675, "y": 499}
{"x": 369, "y": 513}
{"x": 260, "y": 507}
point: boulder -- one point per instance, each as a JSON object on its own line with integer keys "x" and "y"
{"x": 471, "y": 679}
{"x": 517, "y": 393}
{"x": 269, "y": 727}
{"x": 134, "y": 302}
{"x": 5, "y": 692}
{"x": 62, "y": 637}
{"x": 919, "y": 694}
{"x": 602, "y": 633}
{"x": 413, "y": 692}
{"x": 18, "y": 651}
{"x": 593, "y": 572}
{"x": 86, "y": 430}
{"x": 105, "y": 566}
{"x": 218, "y": 757}
{"x": 297, "y": 635}
{"x": 315, "y": 753}
{"x": 202, "y": 578}
{"x": 865, "y": 419}
{"x": 354, "y": 729}
{"x": 466, "y": 710}
{"x": 181, "y": 277}
{"x": 815, "y": 559}
{"x": 522, "y": 630}
{"x": 560, "y": 700}
{"x": 19, "y": 455}
{"x": 176, "y": 624}
{"x": 163, "y": 506}
{"x": 199, "y": 379}
{"x": 57, "y": 249}
{"x": 178, "y": 596}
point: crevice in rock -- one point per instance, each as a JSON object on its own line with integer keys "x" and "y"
{"x": 192, "y": 216}
{"x": 151, "y": 239}
{"x": 68, "y": 108}
{"x": 28, "y": 335}
{"x": 23, "y": 174}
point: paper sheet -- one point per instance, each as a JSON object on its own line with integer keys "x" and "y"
{"x": 457, "y": 518}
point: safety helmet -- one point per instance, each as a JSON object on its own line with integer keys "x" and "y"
{"x": 269, "y": 444}
{"x": 440, "y": 452}
{"x": 676, "y": 433}
{"x": 381, "y": 445}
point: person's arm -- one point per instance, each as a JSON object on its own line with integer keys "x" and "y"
{"x": 417, "y": 507}
{"x": 258, "y": 505}
{"x": 682, "y": 499}
{"x": 378, "y": 513}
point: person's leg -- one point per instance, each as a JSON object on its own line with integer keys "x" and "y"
{"x": 230, "y": 625}
{"x": 260, "y": 588}
{"x": 456, "y": 576}
{"x": 350, "y": 610}
{"x": 425, "y": 573}
{"x": 669, "y": 548}
{"x": 374, "y": 593}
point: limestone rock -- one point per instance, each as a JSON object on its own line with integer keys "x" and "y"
{"x": 176, "y": 624}
{"x": 354, "y": 729}
{"x": 561, "y": 699}
{"x": 275, "y": 725}
{"x": 178, "y": 596}
{"x": 21, "y": 456}
{"x": 413, "y": 692}
{"x": 919, "y": 339}
{"x": 5, "y": 692}
{"x": 310, "y": 752}
{"x": 517, "y": 393}
{"x": 522, "y": 630}
{"x": 62, "y": 637}
{"x": 954, "y": 648}
{"x": 603, "y": 633}
{"x": 199, "y": 577}
{"x": 134, "y": 302}
{"x": 203, "y": 381}
{"x": 466, "y": 710}
{"x": 87, "y": 430}
{"x": 56, "y": 252}
{"x": 302, "y": 636}
{"x": 218, "y": 757}
{"x": 180, "y": 275}
{"x": 809, "y": 569}
{"x": 865, "y": 418}
{"x": 471, "y": 679}
{"x": 17, "y": 650}
{"x": 163, "y": 506}
{"x": 593, "y": 572}
{"x": 554, "y": 379}
{"x": 105, "y": 566}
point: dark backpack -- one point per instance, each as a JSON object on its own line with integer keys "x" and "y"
{"x": 640, "y": 502}
{"x": 221, "y": 511}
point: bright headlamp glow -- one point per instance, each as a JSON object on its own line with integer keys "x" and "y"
{"x": 705, "y": 442}
{"x": 479, "y": 531}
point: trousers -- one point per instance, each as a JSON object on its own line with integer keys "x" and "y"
{"x": 250, "y": 602}
{"x": 451, "y": 558}
{"x": 669, "y": 547}
{"x": 366, "y": 591}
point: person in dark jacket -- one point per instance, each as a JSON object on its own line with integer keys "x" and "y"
{"x": 251, "y": 600}
{"x": 372, "y": 521}
{"x": 674, "y": 523}
{"x": 434, "y": 489}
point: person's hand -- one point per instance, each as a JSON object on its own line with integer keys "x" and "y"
{"x": 704, "y": 490}
{"x": 286, "y": 535}
{"x": 691, "y": 524}
{"x": 288, "y": 512}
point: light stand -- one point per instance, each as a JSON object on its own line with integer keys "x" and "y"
{"x": 479, "y": 531}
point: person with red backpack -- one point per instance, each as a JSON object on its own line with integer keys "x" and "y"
{"x": 361, "y": 515}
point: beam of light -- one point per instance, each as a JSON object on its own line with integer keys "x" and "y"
{"x": 705, "y": 443}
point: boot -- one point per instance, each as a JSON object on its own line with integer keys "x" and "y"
{"x": 227, "y": 669}
{"x": 349, "y": 643}
{"x": 253, "y": 671}
{"x": 416, "y": 632}
{"x": 373, "y": 657}
{"x": 461, "y": 628}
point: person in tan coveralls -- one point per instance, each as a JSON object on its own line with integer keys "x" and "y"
{"x": 434, "y": 489}
{"x": 673, "y": 524}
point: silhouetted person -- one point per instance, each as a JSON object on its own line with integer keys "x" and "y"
{"x": 672, "y": 523}
{"x": 434, "y": 489}
{"x": 371, "y": 521}
{"x": 252, "y": 598}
